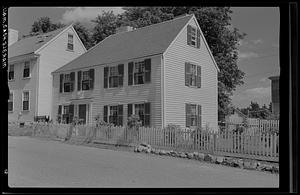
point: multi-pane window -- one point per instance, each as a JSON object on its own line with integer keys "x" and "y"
{"x": 113, "y": 76}
{"x": 25, "y": 101}
{"x": 70, "y": 42}
{"x": 11, "y": 72}
{"x": 10, "y": 102}
{"x": 141, "y": 110}
{"x": 193, "y": 115}
{"x": 193, "y": 36}
{"x": 26, "y": 70}
{"x": 85, "y": 80}
{"x": 113, "y": 114}
{"x": 67, "y": 82}
{"x": 66, "y": 112}
{"x": 139, "y": 72}
{"x": 192, "y": 75}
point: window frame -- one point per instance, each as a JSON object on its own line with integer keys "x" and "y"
{"x": 117, "y": 116}
{"x": 193, "y": 74}
{"x": 70, "y": 42}
{"x": 193, "y": 36}
{"x": 27, "y": 100}
{"x": 195, "y": 116}
{"x": 144, "y": 112}
{"x": 29, "y": 74}
{"x": 86, "y": 82}
{"x": 68, "y": 83}
{"x": 11, "y": 101}
{"x": 9, "y": 71}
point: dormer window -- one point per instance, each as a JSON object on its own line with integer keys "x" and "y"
{"x": 70, "y": 42}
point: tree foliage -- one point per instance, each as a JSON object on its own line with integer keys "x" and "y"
{"x": 255, "y": 111}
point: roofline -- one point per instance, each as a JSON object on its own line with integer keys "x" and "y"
{"x": 57, "y": 71}
{"x": 51, "y": 40}
{"x": 72, "y": 27}
{"x": 22, "y": 57}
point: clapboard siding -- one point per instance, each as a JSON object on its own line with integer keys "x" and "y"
{"x": 19, "y": 84}
{"x": 177, "y": 94}
{"x": 52, "y": 57}
{"x": 127, "y": 94}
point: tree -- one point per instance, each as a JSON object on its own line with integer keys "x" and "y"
{"x": 44, "y": 25}
{"x": 254, "y": 111}
{"x": 83, "y": 34}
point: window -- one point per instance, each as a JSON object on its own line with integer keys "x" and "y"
{"x": 85, "y": 80}
{"x": 113, "y": 76}
{"x": 11, "y": 72}
{"x": 10, "y": 102}
{"x": 139, "y": 72}
{"x": 70, "y": 42}
{"x": 193, "y": 115}
{"x": 26, "y": 71}
{"x": 113, "y": 114}
{"x": 192, "y": 75}
{"x": 67, "y": 82}
{"x": 25, "y": 101}
{"x": 142, "y": 110}
{"x": 193, "y": 36}
{"x": 66, "y": 112}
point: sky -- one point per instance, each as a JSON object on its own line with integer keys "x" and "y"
{"x": 258, "y": 51}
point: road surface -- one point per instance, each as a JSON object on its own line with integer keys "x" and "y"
{"x": 41, "y": 163}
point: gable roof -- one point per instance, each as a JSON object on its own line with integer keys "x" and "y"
{"x": 32, "y": 44}
{"x": 145, "y": 41}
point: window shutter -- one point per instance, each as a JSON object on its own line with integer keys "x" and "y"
{"x": 198, "y": 77}
{"x": 198, "y": 38}
{"x": 147, "y": 108}
{"x": 121, "y": 74}
{"x": 199, "y": 116}
{"x": 61, "y": 78}
{"x": 59, "y": 110}
{"x": 189, "y": 36}
{"x": 92, "y": 76}
{"x": 72, "y": 77}
{"x": 129, "y": 110}
{"x": 187, "y": 76}
{"x": 71, "y": 112}
{"x": 147, "y": 70}
{"x": 105, "y": 112}
{"x": 79, "y": 80}
{"x": 106, "y": 77}
{"x": 120, "y": 115}
{"x": 187, "y": 116}
{"x": 130, "y": 73}
{"x": 147, "y": 114}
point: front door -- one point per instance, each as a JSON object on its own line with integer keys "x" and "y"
{"x": 82, "y": 112}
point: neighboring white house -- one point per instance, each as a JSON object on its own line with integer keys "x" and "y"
{"x": 165, "y": 73}
{"x": 30, "y": 63}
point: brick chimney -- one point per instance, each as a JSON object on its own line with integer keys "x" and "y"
{"x": 124, "y": 29}
{"x": 13, "y": 36}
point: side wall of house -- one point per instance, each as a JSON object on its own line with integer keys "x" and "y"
{"x": 99, "y": 97}
{"x": 20, "y": 84}
{"x": 54, "y": 56}
{"x": 177, "y": 94}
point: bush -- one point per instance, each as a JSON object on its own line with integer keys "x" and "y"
{"x": 134, "y": 122}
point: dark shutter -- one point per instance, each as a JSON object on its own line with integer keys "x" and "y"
{"x": 79, "y": 80}
{"x": 187, "y": 116}
{"x": 147, "y": 70}
{"x": 121, "y": 74}
{"x": 106, "y": 77}
{"x": 92, "y": 76}
{"x": 59, "y": 110}
{"x": 71, "y": 112}
{"x": 72, "y": 77}
{"x": 198, "y": 38}
{"x": 120, "y": 115}
{"x": 61, "y": 79}
{"x": 105, "y": 112}
{"x": 130, "y": 73}
{"x": 187, "y": 76}
{"x": 199, "y": 116}
{"x": 129, "y": 110}
{"x": 189, "y": 36}
{"x": 198, "y": 77}
{"x": 147, "y": 114}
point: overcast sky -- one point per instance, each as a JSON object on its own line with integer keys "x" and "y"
{"x": 258, "y": 52}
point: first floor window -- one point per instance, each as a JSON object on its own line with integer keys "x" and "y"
{"x": 11, "y": 72}
{"x": 193, "y": 115}
{"x": 25, "y": 101}
{"x": 141, "y": 110}
{"x": 10, "y": 102}
{"x": 66, "y": 113}
{"x": 26, "y": 71}
{"x": 113, "y": 114}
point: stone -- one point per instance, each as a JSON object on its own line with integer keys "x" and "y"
{"x": 190, "y": 155}
{"x": 182, "y": 155}
{"x": 275, "y": 169}
{"x": 135, "y": 150}
{"x": 219, "y": 159}
{"x": 251, "y": 165}
{"x": 201, "y": 156}
{"x": 207, "y": 157}
{"x": 148, "y": 150}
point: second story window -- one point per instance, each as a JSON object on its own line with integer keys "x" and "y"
{"x": 113, "y": 76}
{"x": 193, "y": 36}
{"x": 11, "y": 72}
{"x": 67, "y": 82}
{"x": 25, "y": 101}
{"x": 85, "y": 80}
{"x": 139, "y": 72}
{"x": 70, "y": 42}
{"x": 11, "y": 102}
{"x": 192, "y": 75}
{"x": 26, "y": 70}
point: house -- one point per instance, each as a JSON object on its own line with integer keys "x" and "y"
{"x": 165, "y": 73}
{"x": 30, "y": 63}
{"x": 275, "y": 95}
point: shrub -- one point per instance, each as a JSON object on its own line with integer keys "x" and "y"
{"x": 134, "y": 122}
